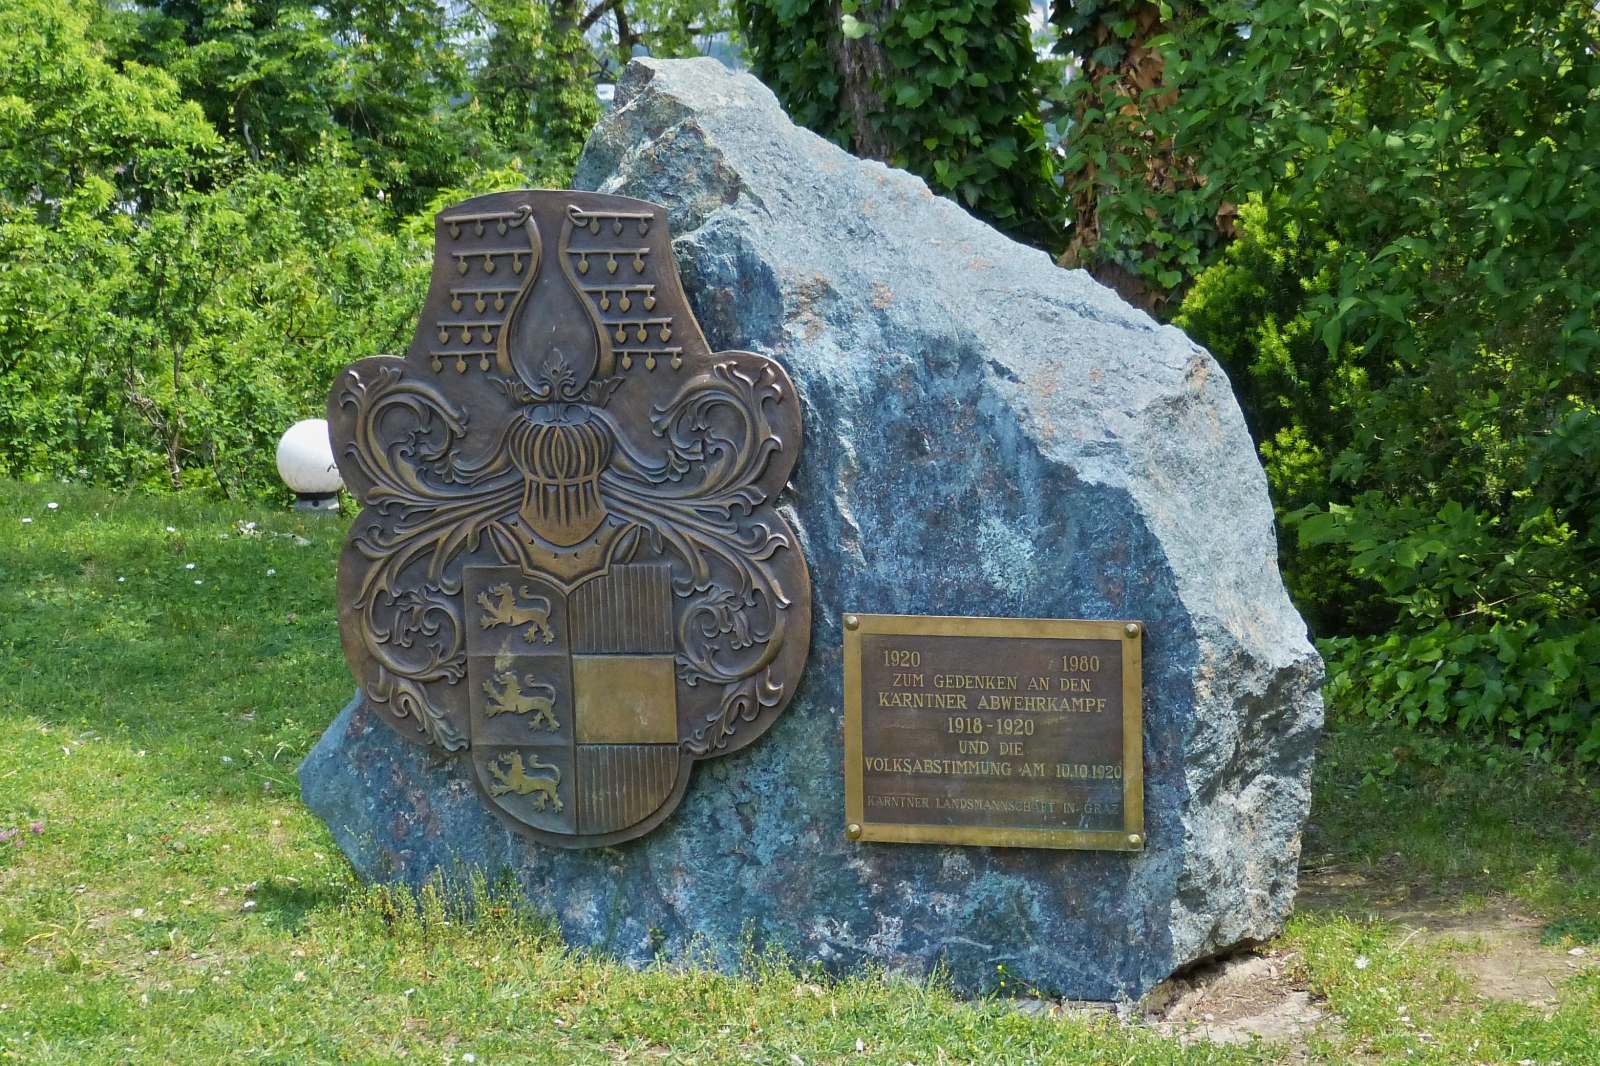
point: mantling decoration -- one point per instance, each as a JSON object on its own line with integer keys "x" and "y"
{"x": 569, "y": 563}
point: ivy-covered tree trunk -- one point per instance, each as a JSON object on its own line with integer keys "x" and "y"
{"x": 947, "y": 89}
{"x": 1134, "y": 193}
{"x": 862, "y": 66}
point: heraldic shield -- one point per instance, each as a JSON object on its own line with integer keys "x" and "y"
{"x": 569, "y": 564}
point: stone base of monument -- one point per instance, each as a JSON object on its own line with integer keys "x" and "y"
{"x": 985, "y": 435}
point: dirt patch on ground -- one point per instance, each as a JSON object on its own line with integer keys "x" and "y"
{"x": 1237, "y": 1000}
{"x": 1495, "y": 946}
{"x": 1261, "y": 996}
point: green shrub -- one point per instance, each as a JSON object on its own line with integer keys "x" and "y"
{"x": 208, "y": 208}
{"x": 1488, "y": 642}
{"x": 171, "y": 351}
{"x": 172, "y": 297}
{"x": 1410, "y": 313}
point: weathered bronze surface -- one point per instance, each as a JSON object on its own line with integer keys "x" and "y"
{"x": 1011, "y": 732}
{"x": 569, "y": 564}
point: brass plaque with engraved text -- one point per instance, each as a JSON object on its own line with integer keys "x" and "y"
{"x": 1008, "y": 732}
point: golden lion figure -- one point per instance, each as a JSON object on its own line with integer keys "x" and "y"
{"x": 507, "y": 613}
{"x": 514, "y": 778}
{"x": 509, "y": 699}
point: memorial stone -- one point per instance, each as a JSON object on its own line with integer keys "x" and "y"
{"x": 985, "y": 436}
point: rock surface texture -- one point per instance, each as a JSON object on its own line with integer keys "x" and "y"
{"x": 985, "y": 434}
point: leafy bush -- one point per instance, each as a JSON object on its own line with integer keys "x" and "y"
{"x": 1411, "y": 315}
{"x": 165, "y": 309}
{"x": 1487, "y": 642}
{"x": 172, "y": 352}
{"x": 204, "y": 211}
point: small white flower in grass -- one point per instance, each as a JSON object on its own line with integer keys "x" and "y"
{"x": 199, "y": 581}
{"x": 270, "y": 571}
{"x": 52, "y": 505}
{"x": 25, "y": 521}
{"x": 469, "y": 1057}
{"x": 1362, "y": 962}
{"x": 188, "y": 566}
{"x": 227, "y": 758}
{"x": 122, "y": 579}
{"x": 172, "y": 529}
{"x": 299, "y": 975}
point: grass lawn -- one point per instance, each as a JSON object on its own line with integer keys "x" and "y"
{"x": 165, "y": 898}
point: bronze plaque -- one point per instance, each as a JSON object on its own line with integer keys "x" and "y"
{"x": 1010, "y": 732}
{"x": 569, "y": 565}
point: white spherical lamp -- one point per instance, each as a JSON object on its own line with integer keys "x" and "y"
{"x": 305, "y": 462}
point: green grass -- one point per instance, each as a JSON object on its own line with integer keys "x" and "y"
{"x": 179, "y": 905}
{"x": 1454, "y": 823}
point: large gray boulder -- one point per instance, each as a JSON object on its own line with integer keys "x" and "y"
{"x": 985, "y": 434}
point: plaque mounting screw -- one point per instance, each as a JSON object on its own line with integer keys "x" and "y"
{"x": 1134, "y": 840}
{"x": 852, "y": 622}
{"x": 1132, "y": 629}
{"x": 853, "y": 831}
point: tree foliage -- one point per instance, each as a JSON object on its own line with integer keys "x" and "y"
{"x": 1379, "y": 214}
{"x": 208, "y": 207}
{"x": 1412, "y": 315}
{"x": 164, "y": 314}
{"x": 944, "y": 88}
{"x": 278, "y": 76}
{"x": 534, "y": 85}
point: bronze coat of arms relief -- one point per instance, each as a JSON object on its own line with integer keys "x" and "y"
{"x": 569, "y": 563}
